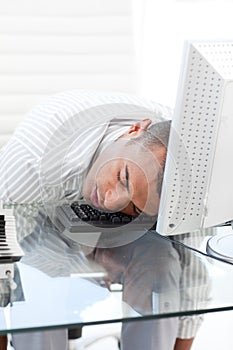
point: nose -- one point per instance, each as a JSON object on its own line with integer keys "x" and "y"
{"x": 116, "y": 199}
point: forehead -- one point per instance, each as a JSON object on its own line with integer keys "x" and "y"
{"x": 144, "y": 169}
{"x": 144, "y": 183}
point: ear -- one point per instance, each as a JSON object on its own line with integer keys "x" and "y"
{"x": 136, "y": 129}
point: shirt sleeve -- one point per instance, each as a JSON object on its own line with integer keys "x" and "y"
{"x": 19, "y": 180}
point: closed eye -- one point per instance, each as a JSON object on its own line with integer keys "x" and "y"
{"x": 124, "y": 183}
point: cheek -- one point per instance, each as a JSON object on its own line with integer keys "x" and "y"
{"x": 103, "y": 174}
{"x": 107, "y": 173}
{"x": 95, "y": 172}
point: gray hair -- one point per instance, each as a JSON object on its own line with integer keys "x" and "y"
{"x": 156, "y": 135}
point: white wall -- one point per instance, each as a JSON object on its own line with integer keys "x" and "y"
{"x": 48, "y": 46}
{"x": 165, "y": 26}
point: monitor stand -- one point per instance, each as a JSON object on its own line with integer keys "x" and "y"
{"x": 221, "y": 245}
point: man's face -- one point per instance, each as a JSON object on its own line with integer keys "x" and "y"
{"x": 124, "y": 178}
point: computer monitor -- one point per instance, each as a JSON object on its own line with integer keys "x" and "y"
{"x": 197, "y": 190}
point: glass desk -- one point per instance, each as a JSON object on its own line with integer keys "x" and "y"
{"x": 62, "y": 283}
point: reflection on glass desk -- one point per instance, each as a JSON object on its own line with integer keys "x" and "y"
{"x": 61, "y": 283}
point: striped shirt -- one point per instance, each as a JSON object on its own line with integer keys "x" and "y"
{"x": 51, "y": 151}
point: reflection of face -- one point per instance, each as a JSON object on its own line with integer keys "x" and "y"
{"x": 124, "y": 178}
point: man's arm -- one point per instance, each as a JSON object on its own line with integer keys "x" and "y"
{"x": 19, "y": 180}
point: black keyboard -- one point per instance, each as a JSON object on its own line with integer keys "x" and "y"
{"x": 10, "y": 251}
{"x": 81, "y": 217}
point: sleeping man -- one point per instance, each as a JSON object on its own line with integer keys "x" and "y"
{"x": 109, "y": 149}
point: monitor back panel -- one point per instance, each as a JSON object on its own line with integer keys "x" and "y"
{"x": 193, "y": 151}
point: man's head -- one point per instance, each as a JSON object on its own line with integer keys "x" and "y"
{"x": 127, "y": 175}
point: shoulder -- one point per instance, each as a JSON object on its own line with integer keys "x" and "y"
{"x": 64, "y": 112}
